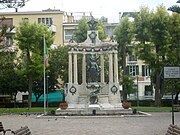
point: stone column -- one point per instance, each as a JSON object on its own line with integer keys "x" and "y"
{"x": 110, "y": 68}
{"x": 70, "y": 68}
{"x": 84, "y": 69}
{"x": 115, "y": 68}
{"x": 102, "y": 67}
{"x": 75, "y": 69}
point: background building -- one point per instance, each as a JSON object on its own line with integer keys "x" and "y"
{"x": 52, "y": 18}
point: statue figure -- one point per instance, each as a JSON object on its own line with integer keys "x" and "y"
{"x": 94, "y": 94}
{"x": 93, "y": 68}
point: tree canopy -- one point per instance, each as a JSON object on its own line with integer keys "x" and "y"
{"x": 155, "y": 36}
{"x": 30, "y": 42}
{"x": 80, "y": 33}
{"x": 124, "y": 35}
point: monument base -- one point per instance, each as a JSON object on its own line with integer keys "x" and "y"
{"x": 94, "y": 109}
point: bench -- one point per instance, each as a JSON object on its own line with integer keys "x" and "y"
{"x": 2, "y": 129}
{"x": 173, "y": 130}
{"x": 22, "y": 131}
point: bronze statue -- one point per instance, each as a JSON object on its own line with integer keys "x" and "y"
{"x": 93, "y": 68}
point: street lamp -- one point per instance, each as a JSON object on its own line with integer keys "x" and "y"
{"x": 137, "y": 77}
{"x": 47, "y": 77}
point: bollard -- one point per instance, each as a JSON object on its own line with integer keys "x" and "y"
{"x": 134, "y": 111}
{"x": 94, "y": 112}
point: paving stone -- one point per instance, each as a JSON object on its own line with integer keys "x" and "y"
{"x": 156, "y": 124}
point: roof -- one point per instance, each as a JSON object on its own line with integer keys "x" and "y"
{"x": 33, "y": 12}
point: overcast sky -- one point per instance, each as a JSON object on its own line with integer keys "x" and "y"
{"x": 107, "y": 8}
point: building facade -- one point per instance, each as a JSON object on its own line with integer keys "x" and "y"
{"x": 52, "y": 18}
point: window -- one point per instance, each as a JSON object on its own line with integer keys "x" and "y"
{"x": 24, "y": 97}
{"x": 39, "y": 20}
{"x": 25, "y": 19}
{"x": 145, "y": 70}
{"x": 132, "y": 58}
{"x": 6, "y": 22}
{"x": 46, "y": 21}
{"x": 133, "y": 70}
{"x": 148, "y": 90}
{"x": 68, "y": 34}
{"x": 9, "y": 40}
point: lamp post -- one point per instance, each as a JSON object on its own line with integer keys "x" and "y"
{"x": 137, "y": 77}
{"x": 47, "y": 90}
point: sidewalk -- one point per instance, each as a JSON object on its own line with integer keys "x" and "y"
{"x": 156, "y": 124}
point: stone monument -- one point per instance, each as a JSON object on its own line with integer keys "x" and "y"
{"x": 93, "y": 93}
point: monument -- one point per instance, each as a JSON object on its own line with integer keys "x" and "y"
{"x": 94, "y": 93}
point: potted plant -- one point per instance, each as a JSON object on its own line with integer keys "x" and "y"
{"x": 63, "y": 105}
{"x": 126, "y": 104}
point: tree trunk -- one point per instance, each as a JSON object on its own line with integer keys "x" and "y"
{"x": 30, "y": 83}
{"x": 124, "y": 93}
{"x": 30, "y": 91}
{"x": 157, "y": 89}
{"x": 37, "y": 98}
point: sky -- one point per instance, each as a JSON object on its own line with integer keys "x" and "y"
{"x": 107, "y": 8}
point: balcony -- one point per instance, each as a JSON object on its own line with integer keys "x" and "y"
{"x": 52, "y": 28}
{"x": 132, "y": 62}
{"x": 8, "y": 48}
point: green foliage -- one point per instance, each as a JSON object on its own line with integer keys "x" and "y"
{"x": 173, "y": 55}
{"x": 30, "y": 41}
{"x": 142, "y": 25}
{"x": 124, "y": 35}
{"x": 123, "y": 32}
{"x": 153, "y": 109}
{"x": 174, "y": 8}
{"x": 59, "y": 63}
{"x": 128, "y": 82}
{"x": 80, "y": 33}
{"x": 11, "y": 72}
{"x": 157, "y": 39}
{"x": 101, "y": 30}
{"x": 30, "y": 37}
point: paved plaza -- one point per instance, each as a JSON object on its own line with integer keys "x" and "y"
{"x": 156, "y": 124}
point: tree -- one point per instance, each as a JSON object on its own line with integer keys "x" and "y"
{"x": 142, "y": 31}
{"x": 100, "y": 29}
{"x": 173, "y": 55}
{"x": 175, "y": 8}
{"x": 80, "y": 33}
{"x": 153, "y": 35}
{"x": 30, "y": 41}
{"x": 123, "y": 35}
{"x": 160, "y": 39}
{"x": 58, "y": 64}
{"x": 12, "y": 73}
